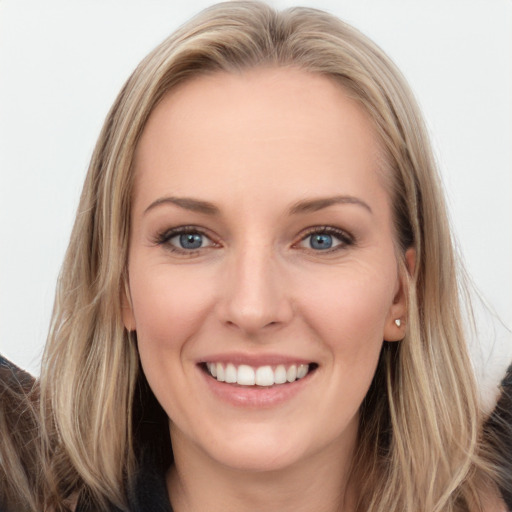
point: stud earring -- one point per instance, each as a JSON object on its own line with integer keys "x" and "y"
{"x": 398, "y": 322}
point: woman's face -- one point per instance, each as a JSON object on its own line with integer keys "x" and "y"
{"x": 261, "y": 252}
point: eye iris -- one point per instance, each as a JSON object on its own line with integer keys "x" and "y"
{"x": 191, "y": 240}
{"x": 321, "y": 241}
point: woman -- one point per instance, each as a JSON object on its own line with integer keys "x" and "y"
{"x": 262, "y": 211}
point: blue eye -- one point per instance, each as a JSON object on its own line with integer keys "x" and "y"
{"x": 184, "y": 239}
{"x": 326, "y": 238}
{"x": 189, "y": 240}
{"x": 320, "y": 241}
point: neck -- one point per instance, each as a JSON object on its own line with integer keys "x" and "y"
{"x": 318, "y": 482}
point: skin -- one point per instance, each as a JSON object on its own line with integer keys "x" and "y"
{"x": 254, "y": 145}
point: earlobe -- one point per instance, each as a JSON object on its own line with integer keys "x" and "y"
{"x": 395, "y": 327}
{"x": 394, "y": 330}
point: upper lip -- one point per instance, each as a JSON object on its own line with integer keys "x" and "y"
{"x": 255, "y": 360}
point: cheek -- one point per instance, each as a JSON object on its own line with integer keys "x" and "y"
{"x": 348, "y": 313}
{"x": 350, "y": 305}
{"x": 167, "y": 306}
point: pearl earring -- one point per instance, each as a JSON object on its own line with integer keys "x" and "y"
{"x": 398, "y": 322}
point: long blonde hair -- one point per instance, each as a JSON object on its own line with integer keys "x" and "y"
{"x": 422, "y": 407}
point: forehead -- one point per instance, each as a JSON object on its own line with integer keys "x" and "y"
{"x": 288, "y": 127}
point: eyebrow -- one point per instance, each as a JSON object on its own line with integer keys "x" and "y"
{"x": 187, "y": 203}
{"x": 313, "y": 205}
{"x": 306, "y": 206}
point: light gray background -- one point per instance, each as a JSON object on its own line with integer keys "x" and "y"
{"x": 63, "y": 62}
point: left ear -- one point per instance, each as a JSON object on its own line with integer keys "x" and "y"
{"x": 395, "y": 327}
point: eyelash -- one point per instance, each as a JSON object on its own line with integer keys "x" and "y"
{"x": 343, "y": 237}
{"x": 164, "y": 238}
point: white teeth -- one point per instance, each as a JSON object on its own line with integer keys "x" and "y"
{"x": 302, "y": 371}
{"x": 220, "y": 372}
{"x": 291, "y": 373}
{"x": 212, "y": 368}
{"x": 245, "y": 375}
{"x": 264, "y": 376}
{"x": 230, "y": 374}
{"x": 280, "y": 374}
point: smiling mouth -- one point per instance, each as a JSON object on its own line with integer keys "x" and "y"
{"x": 263, "y": 376}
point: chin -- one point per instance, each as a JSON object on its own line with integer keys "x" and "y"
{"x": 258, "y": 459}
{"x": 255, "y": 448}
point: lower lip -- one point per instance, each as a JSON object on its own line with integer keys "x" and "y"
{"x": 255, "y": 396}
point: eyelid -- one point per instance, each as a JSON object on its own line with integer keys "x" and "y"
{"x": 345, "y": 238}
{"x": 163, "y": 238}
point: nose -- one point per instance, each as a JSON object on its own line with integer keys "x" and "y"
{"x": 256, "y": 296}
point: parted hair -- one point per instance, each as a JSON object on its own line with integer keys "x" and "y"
{"x": 420, "y": 445}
